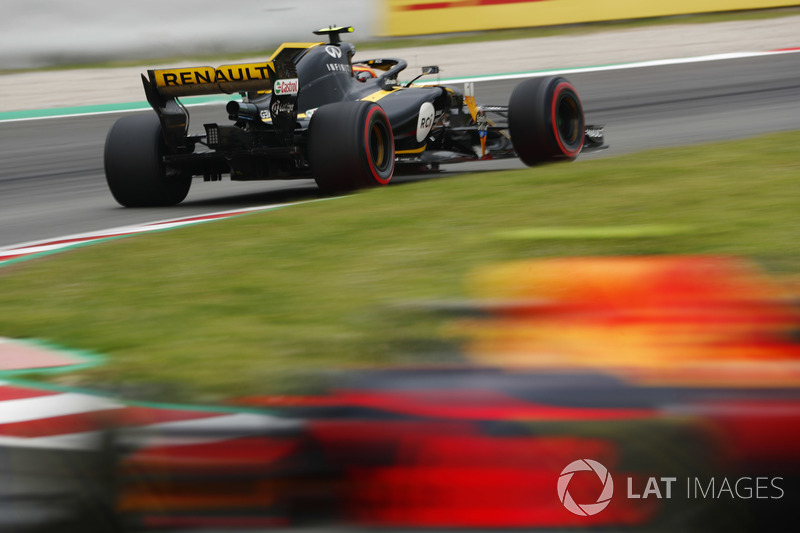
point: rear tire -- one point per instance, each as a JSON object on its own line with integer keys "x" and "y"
{"x": 350, "y": 146}
{"x": 134, "y": 168}
{"x": 545, "y": 120}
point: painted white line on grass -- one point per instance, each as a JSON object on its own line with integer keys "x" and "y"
{"x": 19, "y": 251}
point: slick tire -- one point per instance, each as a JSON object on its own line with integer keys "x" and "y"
{"x": 135, "y": 172}
{"x": 545, "y": 120}
{"x": 350, "y": 146}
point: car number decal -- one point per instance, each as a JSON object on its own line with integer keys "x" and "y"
{"x": 425, "y": 122}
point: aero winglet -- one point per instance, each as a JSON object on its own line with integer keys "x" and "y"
{"x": 333, "y": 33}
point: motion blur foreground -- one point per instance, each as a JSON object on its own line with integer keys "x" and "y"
{"x": 634, "y": 393}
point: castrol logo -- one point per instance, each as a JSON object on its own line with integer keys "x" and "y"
{"x": 284, "y": 87}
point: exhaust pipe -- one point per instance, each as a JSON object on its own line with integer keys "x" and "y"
{"x": 244, "y": 111}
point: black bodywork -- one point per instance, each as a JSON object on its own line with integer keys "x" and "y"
{"x": 309, "y": 111}
{"x": 267, "y": 135}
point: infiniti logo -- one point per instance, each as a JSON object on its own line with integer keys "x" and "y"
{"x": 334, "y": 51}
{"x": 585, "y": 509}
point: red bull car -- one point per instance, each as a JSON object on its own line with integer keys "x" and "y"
{"x": 309, "y": 111}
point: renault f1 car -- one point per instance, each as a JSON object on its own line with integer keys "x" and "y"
{"x": 309, "y": 111}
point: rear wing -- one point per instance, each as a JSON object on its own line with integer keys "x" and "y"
{"x": 195, "y": 81}
{"x": 227, "y": 79}
{"x": 163, "y": 86}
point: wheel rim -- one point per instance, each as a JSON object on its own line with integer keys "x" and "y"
{"x": 377, "y": 148}
{"x": 380, "y": 146}
{"x": 567, "y": 120}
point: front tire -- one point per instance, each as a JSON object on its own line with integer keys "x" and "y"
{"x": 545, "y": 120}
{"x": 135, "y": 172}
{"x": 350, "y": 146}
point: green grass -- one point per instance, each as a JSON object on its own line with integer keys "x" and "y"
{"x": 456, "y": 38}
{"x": 259, "y": 302}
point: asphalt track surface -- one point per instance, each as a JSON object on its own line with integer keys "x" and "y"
{"x": 52, "y": 182}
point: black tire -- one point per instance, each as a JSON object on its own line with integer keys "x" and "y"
{"x": 134, "y": 169}
{"x": 350, "y": 146}
{"x": 545, "y": 120}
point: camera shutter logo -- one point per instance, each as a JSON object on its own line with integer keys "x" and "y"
{"x": 585, "y": 509}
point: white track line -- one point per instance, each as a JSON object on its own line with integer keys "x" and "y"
{"x": 492, "y": 77}
{"x": 620, "y": 66}
{"x": 9, "y": 253}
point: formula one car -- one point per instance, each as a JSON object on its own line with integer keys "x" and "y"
{"x": 309, "y": 111}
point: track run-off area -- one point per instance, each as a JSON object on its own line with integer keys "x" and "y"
{"x": 55, "y": 195}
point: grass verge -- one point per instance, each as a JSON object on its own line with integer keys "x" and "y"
{"x": 256, "y": 303}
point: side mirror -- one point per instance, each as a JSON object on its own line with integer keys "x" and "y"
{"x": 425, "y": 70}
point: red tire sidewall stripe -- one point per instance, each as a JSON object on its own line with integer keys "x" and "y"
{"x": 368, "y": 123}
{"x": 556, "y": 92}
